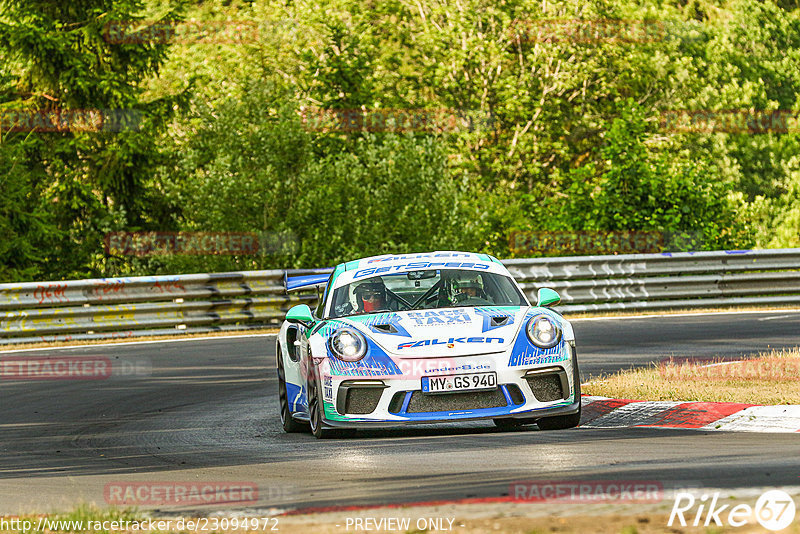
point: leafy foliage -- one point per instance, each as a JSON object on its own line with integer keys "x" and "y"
{"x": 86, "y": 181}
{"x": 254, "y": 167}
{"x": 569, "y": 135}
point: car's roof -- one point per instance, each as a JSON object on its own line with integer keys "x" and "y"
{"x": 422, "y": 260}
{"x": 398, "y": 259}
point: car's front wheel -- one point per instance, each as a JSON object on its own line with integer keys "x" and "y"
{"x": 512, "y": 424}
{"x": 559, "y": 422}
{"x": 315, "y": 407}
{"x": 288, "y": 423}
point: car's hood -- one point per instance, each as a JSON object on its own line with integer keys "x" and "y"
{"x": 444, "y": 331}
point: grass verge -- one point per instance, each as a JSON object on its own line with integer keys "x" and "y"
{"x": 767, "y": 378}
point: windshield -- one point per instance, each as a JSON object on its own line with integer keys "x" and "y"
{"x": 416, "y": 290}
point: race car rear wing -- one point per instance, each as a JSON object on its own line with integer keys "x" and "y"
{"x": 306, "y": 281}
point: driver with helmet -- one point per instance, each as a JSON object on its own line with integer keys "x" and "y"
{"x": 468, "y": 287}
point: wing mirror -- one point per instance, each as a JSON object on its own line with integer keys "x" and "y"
{"x": 300, "y": 314}
{"x": 547, "y": 297}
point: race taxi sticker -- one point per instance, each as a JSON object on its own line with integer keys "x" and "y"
{"x": 440, "y": 317}
{"x": 327, "y": 388}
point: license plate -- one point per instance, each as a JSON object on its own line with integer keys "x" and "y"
{"x": 454, "y": 383}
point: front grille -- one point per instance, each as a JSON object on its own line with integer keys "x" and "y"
{"x": 472, "y": 400}
{"x": 546, "y": 388}
{"x": 396, "y": 404}
{"x": 515, "y": 393}
{"x": 362, "y": 400}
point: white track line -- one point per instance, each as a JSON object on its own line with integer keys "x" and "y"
{"x": 773, "y": 318}
{"x": 689, "y": 314}
{"x": 149, "y": 341}
{"x": 612, "y": 318}
{"x": 780, "y": 418}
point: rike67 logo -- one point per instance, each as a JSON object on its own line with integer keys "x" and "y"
{"x": 774, "y": 510}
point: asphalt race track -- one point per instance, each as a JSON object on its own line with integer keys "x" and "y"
{"x": 206, "y": 410}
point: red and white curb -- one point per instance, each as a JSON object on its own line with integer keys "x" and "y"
{"x": 602, "y": 412}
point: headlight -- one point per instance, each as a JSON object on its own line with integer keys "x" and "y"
{"x": 348, "y": 344}
{"x": 543, "y": 331}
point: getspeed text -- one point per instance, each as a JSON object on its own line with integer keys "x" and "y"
{"x": 421, "y": 265}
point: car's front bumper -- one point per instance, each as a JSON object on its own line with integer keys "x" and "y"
{"x": 568, "y": 409}
{"x": 400, "y": 400}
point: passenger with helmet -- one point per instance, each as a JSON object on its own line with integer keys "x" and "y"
{"x": 371, "y": 295}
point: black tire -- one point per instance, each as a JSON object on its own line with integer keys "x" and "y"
{"x": 562, "y": 422}
{"x": 512, "y": 424}
{"x": 289, "y": 425}
{"x": 318, "y": 428}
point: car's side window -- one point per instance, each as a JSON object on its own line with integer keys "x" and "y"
{"x": 320, "y": 311}
{"x": 291, "y": 337}
{"x": 342, "y": 304}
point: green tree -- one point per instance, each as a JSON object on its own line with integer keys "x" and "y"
{"x": 25, "y": 225}
{"x": 644, "y": 188}
{"x": 252, "y": 166}
{"x": 61, "y": 59}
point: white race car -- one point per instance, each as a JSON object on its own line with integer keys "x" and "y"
{"x": 425, "y": 338}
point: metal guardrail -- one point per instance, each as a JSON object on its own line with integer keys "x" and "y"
{"x": 667, "y": 280}
{"x": 157, "y": 305}
{"x": 140, "y": 306}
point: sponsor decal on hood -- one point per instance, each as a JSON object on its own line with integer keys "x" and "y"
{"x": 449, "y": 331}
